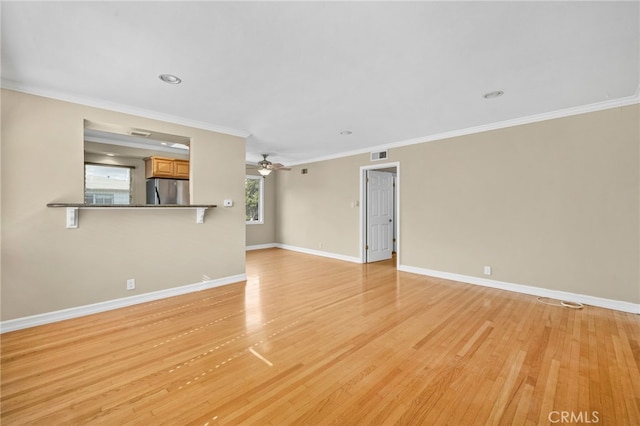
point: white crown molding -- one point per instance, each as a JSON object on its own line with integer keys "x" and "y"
{"x": 319, "y": 253}
{"x": 617, "y": 305}
{"x": 567, "y": 112}
{"x": 96, "y": 103}
{"x": 80, "y": 311}
{"x": 598, "y": 106}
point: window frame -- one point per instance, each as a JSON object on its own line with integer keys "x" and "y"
{"x": 260, "y": 220}
{"x": 130, "y": 191}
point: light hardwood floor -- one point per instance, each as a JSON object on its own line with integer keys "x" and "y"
{"x": 309, "y": 340}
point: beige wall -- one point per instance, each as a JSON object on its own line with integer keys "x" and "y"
{"x": 317, "y": 210}
{"x": 46, "y": 267}
{"x": 264, "y": 233}
{"x": 554, "y": 204}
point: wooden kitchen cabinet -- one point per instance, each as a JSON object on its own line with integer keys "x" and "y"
{"x": 163, "y": 167}
{"x": 181, "y": 169}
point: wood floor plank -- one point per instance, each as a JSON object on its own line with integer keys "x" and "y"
{"x": 310, "y": 340}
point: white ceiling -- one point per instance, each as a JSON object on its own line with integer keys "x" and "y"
{"x": 293, "y": 75}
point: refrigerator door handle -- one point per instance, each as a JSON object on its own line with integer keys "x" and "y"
{"x": 157, "y": 195}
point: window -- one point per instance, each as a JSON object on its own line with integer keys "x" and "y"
{"x": 107, "y": 184}
{"x": 254, "y": 199}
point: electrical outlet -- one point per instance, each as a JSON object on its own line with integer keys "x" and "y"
{"x": 131, "y": 284}
{"x": 319, "y": 245}
{"x": 487, "y": 270}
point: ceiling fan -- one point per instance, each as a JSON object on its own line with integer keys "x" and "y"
{"x": 265, "y": 166}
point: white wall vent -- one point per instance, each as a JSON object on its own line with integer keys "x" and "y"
{"x": 380, "y": 155}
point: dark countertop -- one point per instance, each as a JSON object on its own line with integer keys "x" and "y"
{"x": 128, "y": 206}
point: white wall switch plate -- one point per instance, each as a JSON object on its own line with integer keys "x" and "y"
{"x": 487, "y": 270}
{"x": 131, "y": 284}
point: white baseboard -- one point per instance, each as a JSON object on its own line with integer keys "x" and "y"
{"x": 79, "y": 311}
{"x": 319, "y": 253}
{"x": 617, "y": 305}
{"x": 261, "y": 246}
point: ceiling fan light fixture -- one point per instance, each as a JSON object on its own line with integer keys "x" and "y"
{"x": 265, "y": 167}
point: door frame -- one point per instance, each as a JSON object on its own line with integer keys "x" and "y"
{"x": 363, "y": 207}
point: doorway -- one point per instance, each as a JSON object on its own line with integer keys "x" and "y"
{"x": 379, "y": 212}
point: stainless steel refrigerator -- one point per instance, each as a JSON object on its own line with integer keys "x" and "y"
{"x": 167, "y": 191}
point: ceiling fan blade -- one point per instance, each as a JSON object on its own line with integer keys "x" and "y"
{"x": 279, "y": 166}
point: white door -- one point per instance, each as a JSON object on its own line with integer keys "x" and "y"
{"x": 379, "y": 242}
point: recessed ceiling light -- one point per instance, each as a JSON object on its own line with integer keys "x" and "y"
{"x": 345, "y": 133}
{"x": 495, "y": 94}
{"x": 170, "y": 78}
{"x": 110, "y": 154}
